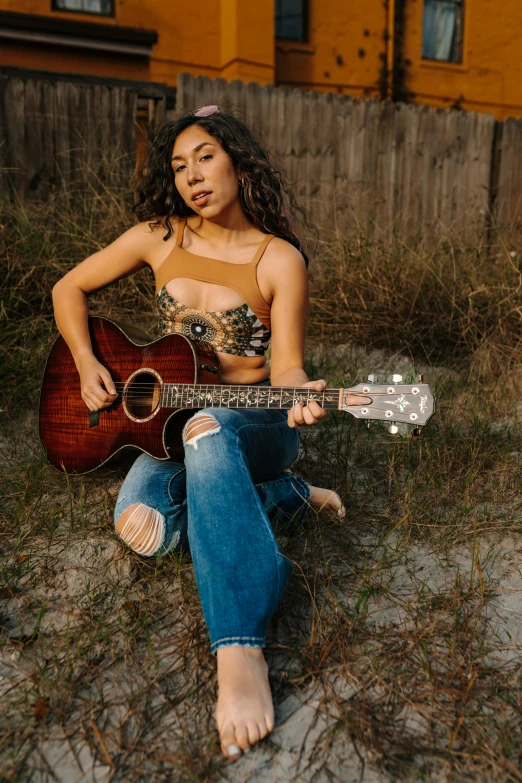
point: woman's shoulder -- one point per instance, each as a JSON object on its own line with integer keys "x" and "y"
{"x": 282, "y": 267}
{"x": 282, "y": 253}
{"x": 151, "y": 234}
{"x": 156, "y": 228}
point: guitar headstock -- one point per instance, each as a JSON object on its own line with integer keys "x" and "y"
{"x": 393, "y": 402}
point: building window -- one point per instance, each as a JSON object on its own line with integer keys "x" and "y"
{"x": 291, "y": 19}
{"x": 442, "y": 30}
{"x": 99, "y": 7}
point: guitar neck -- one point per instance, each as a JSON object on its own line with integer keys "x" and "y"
{"x": 180, "y": 395}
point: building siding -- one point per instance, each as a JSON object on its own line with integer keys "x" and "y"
{"x": 489, "y": 79}
{"x": 350, "y": 49}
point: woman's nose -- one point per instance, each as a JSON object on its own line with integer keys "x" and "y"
{"x": 193, "y": 175}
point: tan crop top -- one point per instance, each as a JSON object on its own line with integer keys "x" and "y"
{"x": 242, "y": 331}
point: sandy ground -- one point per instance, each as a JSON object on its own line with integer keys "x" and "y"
{"x": 146, "y": 713}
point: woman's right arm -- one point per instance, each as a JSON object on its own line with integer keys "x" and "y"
{"x": 121, "y": 258}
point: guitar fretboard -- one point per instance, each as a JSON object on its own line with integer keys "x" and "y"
{"x": 174, "y": 395}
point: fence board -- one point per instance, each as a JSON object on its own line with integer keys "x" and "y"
{"x": 33, "y": 139}
{"x": 48, "y": 160}
{"x": 15, "y": 125}
{"x": 102, "y": 129}
{"x": 405, "y": 132}
{"x": 252, "y": 93}
{"x": 77, "y": 145}
{"x": 462, "y": 198}
{"x": 509, "y": 194}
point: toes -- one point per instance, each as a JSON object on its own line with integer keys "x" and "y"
{"x": 229, "y": 745}
{"x": 237, "y": 739}
{"x": 254, "y": 733}
{"x": 337, "y": 505}
{"x": 242, "y": 737}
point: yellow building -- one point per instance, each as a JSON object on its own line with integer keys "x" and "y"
{"x": 438, "y": 52}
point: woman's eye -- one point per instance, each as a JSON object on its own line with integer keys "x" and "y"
{"x": 180, "y": 168}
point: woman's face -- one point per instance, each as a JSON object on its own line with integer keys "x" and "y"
{"x": 203, "y": 172}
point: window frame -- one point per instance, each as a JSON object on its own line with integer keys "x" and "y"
{"x": 460, "y": 5}
{"x": 305, "y": 27}
{"x": 110, "y": 15}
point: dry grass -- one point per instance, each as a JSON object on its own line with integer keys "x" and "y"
{"x": 442, "y": 301}
{"x": 392, "y": 614}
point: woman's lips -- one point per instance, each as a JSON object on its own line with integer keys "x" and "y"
{"x": 203, "y": 200}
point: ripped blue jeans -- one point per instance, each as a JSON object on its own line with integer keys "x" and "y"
{"x": 224, "y": 503}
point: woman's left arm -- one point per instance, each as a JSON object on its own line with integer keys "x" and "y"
{"x": 289, "y": 318}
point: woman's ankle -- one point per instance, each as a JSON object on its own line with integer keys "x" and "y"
{"x": 239, "y": 650}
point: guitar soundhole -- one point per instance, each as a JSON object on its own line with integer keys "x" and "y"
{"x": 142, "y": 395}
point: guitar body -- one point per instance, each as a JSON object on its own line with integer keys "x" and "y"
{"x": 79, "y": 441}
{"x": 161, "y": 383}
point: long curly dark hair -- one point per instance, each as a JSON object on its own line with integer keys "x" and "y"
{"x": 265, "y": 196}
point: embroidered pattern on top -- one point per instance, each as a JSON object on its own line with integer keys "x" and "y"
{"x": 238, "y": 331}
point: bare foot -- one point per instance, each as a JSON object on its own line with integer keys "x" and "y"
{"x": 327, "y": 500}
{"x": 244, "y": 711}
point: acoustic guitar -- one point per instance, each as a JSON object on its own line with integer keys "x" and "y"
{"x": 161, "y": 383}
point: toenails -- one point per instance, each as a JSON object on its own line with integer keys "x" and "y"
{"x": 233, "y": 750}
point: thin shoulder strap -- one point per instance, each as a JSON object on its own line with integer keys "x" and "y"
{"x": 181, "y": 227}
{"x": 261, "y": 249}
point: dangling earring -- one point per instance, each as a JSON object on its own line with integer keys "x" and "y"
{"x": 241, "y": 182}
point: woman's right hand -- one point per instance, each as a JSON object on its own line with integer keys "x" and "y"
{"x": 93, "y": 378}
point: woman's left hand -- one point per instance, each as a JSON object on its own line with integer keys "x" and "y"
{"x": 311, "y": 413}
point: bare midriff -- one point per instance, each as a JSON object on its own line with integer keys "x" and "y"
{"x": 235, "y": 369}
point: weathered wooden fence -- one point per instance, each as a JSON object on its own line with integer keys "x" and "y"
{"x": 399, "y": 167}
{"x": 395, "y": 167}
{"x": 58, "y": 130}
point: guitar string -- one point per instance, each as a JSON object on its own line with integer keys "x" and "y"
{"x": 170, "y": 397}
{"x": 273, "y": 404}
{"x": 252, "y": 387}
{"x": 228, "y": 391}
{"x": 147, "y": 388}
{"x": 258, "y": 386}
{"x": 242, "y": 404}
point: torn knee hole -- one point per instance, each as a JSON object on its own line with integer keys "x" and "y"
{"x": 198, "y": 426}
{"x": 142, "y": 528}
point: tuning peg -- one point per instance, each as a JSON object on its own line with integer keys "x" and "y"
{"x": 372, "y": 378}
{"x": 396, "y": 378}
{"x": 393, "y": 429}
{"x": 368, "y": 425}
{"x": 420, "y": 378}
{"x": 417, "y": 431}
